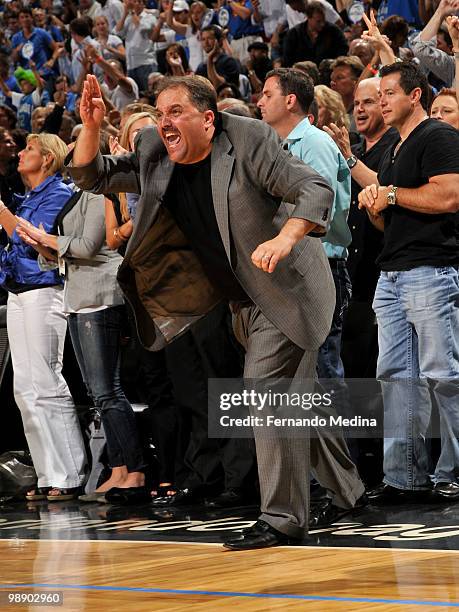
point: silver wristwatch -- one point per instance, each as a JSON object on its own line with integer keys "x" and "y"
{"x": 392, "y": 196}
{"x": 351, "y": 161}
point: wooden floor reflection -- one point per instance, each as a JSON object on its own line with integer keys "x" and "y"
{"x": 343, "y": 575}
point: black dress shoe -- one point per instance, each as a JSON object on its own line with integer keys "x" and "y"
{"x": 448, "y": 490}
{"x": 385, "y": 493}
{"x": 325, "y": 514}
{"x": 181, "y": 497}
{"x": 261, "y": 535}
{"x": 228, "y": 499}
{"x": 127, "y": 496}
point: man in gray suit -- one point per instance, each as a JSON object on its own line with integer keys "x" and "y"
{"x": 223, "y": 185}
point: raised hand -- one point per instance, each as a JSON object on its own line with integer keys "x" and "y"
{"x": 378, "y": 41}
{"x": 174, "y": 59}
{"x": 115, "y": 147}
{"x": 373, "y": 35}
{"x": 453, "y": 28}
{"x": 447, "y": 7}
{"x": 341, "y": 138}
{"x": 60, "y": 97}
{"x": 92, "y": 107}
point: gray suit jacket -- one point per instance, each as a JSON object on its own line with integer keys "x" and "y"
{"x": 90, "y": 266}
{"x": 256, "y": 186}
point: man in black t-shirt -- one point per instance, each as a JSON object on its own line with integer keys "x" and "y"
{"x": 415, "y": 201}
{"x": 360, "y": 344}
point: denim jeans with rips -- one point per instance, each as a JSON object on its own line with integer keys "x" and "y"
{"x": 418, "y": 321}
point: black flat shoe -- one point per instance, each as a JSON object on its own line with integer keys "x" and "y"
{"x": 385, "y": 493}
{"x": 228, "y": 499}
{"x": 181, "y": 497}
{"x": 261, "y": 535}
{"x": 127, "y": 496}
{"x": 326, "y": 513}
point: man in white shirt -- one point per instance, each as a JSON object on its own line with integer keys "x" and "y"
{"x": 120, "y": 89}
{"x": 296, "y": 12}
{"x": 81, "y": 38}
{"x": 113, "y": 11}
{"x": 135, "y": 27}
{"x": 89, "y": 8}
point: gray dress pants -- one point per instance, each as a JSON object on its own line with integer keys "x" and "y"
{"x": 284, "y": 464}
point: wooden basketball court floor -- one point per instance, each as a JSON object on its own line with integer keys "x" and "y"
{"x": 138, "y": 560}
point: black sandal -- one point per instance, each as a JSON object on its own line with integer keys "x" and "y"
{"x": 64, "y": 494}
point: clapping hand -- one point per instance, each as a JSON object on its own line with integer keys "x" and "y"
{"x": 115, "y": 147}
{"x": 30, "y": 234}
{"x": 374, "y": 199}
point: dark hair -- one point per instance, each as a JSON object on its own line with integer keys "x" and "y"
{"x": 80, "y": 26}
{"x": 314, "y": 7}
{"x": 309, "y": 68}
{"x": 410, "y": 78}
{"x": 352, "y": 62}
{"x": 234, "y": 89}
{"x": 200, "y": 91}
{"x": 444, "y": 32}
{"x": 25, "y": 9}
{"x": 20, "y": 137}
{"x": 393, "y": 26}
{"x": 296, "y": 82}
{"x": 163, "y": 65}
{"x": 217, "y": 30}
{"x": 314, "y": 111}
{"x": 325, "y": 70}
{"x": 10, "y": 115}
{"x": 3, "y": 133}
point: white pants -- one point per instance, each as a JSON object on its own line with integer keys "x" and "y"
{"x": 240, "y": 46}
{"x": 36, "y": 332}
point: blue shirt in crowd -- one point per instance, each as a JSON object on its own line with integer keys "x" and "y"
{"x": 19, "y": 263}
{"x": 238, "y": 27}
{"x": 37, "y": 48}
{"x": 317, "y": 149}
{"x": 25, "y": 105}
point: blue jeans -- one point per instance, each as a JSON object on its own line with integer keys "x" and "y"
{"x": 418, "y": 322}
{"x": 140, "y": 75}
{"x": 329, "y": 364}
{"x": 96, "y": 340}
